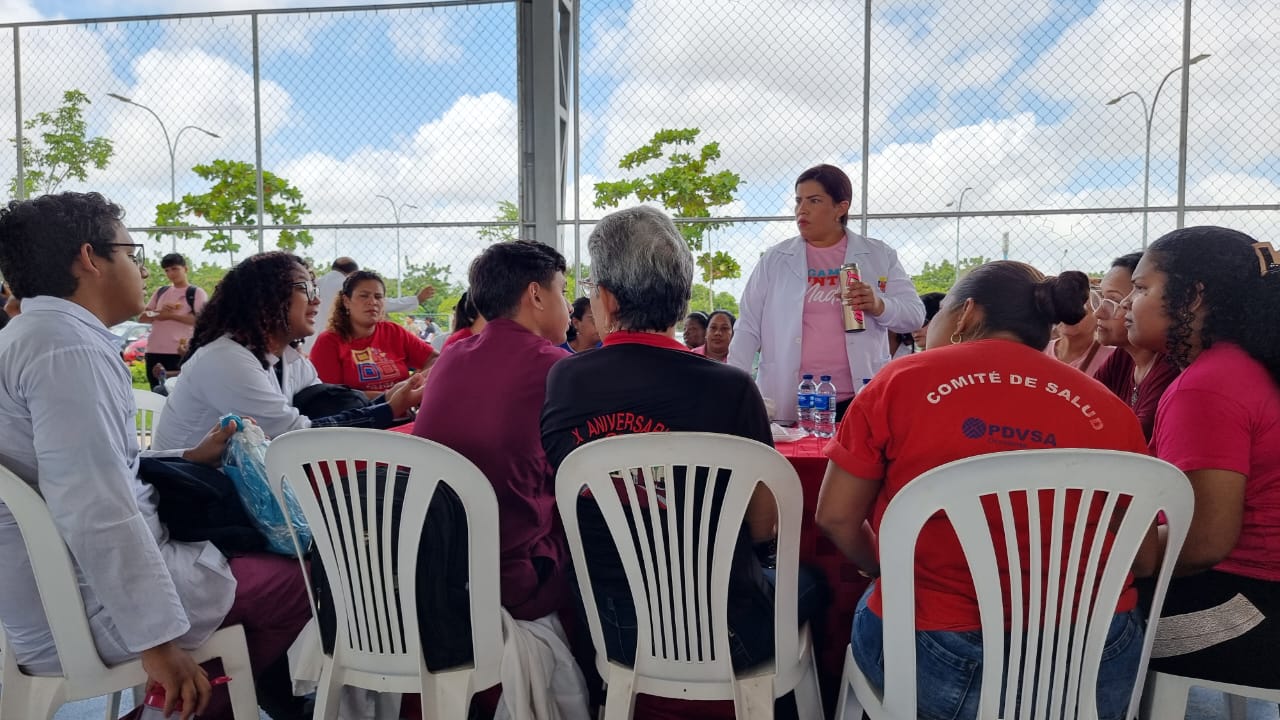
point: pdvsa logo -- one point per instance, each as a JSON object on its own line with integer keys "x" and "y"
{"x": 977, "y": 429}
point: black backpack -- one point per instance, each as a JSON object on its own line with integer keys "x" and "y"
{"x": 191, "y": 296}
{"x": 444, "y": 601}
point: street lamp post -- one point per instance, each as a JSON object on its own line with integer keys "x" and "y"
{"x": 1148, "y": 115}
{"x": 959, "y": 209}
{"x": 171, "y": 146}
{"x": 395, "y": 212}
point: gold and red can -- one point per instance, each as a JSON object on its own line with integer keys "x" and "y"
{"x": 854, "y": 320}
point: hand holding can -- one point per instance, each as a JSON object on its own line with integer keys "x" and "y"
{"x": 851, "y": 293}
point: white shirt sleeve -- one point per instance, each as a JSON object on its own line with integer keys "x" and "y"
{"x": 746, "y": 331}
{"x": 86, "y": 474}
{"x": 409, "y": 303}
{"x": 903, "y": 309}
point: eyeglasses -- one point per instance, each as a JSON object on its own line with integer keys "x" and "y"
{"x": 1104, "y": 308}
{"x": 588, "y": 286}
{"x": 138, "y": 256}
{"x": 309, "y": 287}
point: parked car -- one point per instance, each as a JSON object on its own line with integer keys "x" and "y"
{"x": 128, "y": 331}
{"x": 135, "y": 350}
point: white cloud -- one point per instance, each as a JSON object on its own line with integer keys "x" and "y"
{"x": 424, "y": 37}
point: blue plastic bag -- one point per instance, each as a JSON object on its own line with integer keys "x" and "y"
{"x": 245, "y": 462}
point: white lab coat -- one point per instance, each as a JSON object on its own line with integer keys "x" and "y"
{"x": 771, "y": 316}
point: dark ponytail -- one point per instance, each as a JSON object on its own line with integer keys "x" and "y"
{"x": 1016, "y": 298}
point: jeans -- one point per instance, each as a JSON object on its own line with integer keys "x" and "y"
{"x": 949, "y": 666}
{"x": 750, "y": 638}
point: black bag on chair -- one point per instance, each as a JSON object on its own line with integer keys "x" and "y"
{"x": 444, "y": 612}
{"x": 198, "y": 502}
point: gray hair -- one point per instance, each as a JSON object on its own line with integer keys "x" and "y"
{"x": 640, "y": 257}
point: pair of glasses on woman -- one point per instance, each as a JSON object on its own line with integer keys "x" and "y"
{"x": 309, "y": 287}
{"x": 1104, "y": 308}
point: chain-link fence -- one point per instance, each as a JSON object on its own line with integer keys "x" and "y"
{"x": 391, "y": 134}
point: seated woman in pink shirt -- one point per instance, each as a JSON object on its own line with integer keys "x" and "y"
{"x": 363, "y": 350}
{"x": 1210, "y": 298}
{"x": 718, "y": 336}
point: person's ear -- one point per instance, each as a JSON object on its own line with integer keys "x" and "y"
{"x": 1197, "y": 298}
{"x": 968, "y": 317}
{"x": 86, "y": 263}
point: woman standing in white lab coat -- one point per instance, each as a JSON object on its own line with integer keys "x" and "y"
{"x": 790, "y": 310}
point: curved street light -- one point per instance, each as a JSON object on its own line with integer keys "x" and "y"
{"x": 171, "y": 146}
{"x": 395, "y": 212}
{"x": 1148, "y": 115}
{"x": 959, "y": 209}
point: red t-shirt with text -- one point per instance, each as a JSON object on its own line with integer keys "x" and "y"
{"x": 373, "y": 363}
{"x": 958, "y": 401}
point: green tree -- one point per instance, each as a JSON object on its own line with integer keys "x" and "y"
{"x": 507, "y": 212}
{"x": 686, "y": 187}
{"x": 701, "y": 300}
{"x": 65, "y": 151}
{"x": 940, "y": 277}
{"x": 417, "y": 277}
{"x": 233, "y": 200}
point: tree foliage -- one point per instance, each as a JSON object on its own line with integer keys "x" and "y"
{"x": 507, "y": 212}
{"x": 64, "y": 152}
{"x": 686, "y": 187}
{"x": 233, "y": 200}
{"x": 701, "y": 300}
{"x": 940, "y": 277}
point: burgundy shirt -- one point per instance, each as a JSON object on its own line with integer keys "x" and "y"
{"x": 483, "y": 400}
{"x": 1117, "y": 374}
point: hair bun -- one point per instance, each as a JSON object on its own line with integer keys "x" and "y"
{"x": 1061, "y": 299}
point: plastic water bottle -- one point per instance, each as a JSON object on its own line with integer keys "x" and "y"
{"x": 804, "y": 403}
{"x": 865, "y": 383}
{"x": 824, "y": 409}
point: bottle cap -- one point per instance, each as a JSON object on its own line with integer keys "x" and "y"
{"x": 826, "y": 378}
{"x": 155, "y": 693}
{"x": 807, "y": 376}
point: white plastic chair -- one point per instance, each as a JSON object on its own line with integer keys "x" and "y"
{"x": 1070, "y": 643}
{"x": 377, "y": 645}
{"x": 682, "y": 644}
{"x": 1167, "y": 694}
{"x": 150, "y": 405}
{"x": 31, "y": 697}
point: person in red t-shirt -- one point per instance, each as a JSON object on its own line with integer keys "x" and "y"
{"x": 467, "y": 321}
{"x": 990, "y": 390}
{"x": 1210, "y": 297}
{"x": 361, "y": 349}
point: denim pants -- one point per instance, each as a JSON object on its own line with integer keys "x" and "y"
{"x": 750, "y": 638}
{"x": 949, "y": 666}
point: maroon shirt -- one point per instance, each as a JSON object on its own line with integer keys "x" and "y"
{"x": 1117, "y": 374}
{"x": 484, "y": 399}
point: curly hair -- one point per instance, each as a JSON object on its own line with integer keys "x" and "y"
{"x": 250, "y": 304}
{"x": 340, "y": 317}
{"x": 1219, "y": 266}
{"x": 40, "y": 238}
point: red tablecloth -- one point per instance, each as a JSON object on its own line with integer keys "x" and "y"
{"x": 846, "y": 586}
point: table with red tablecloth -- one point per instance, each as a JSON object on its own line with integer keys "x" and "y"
{"x": 846, "y": 585}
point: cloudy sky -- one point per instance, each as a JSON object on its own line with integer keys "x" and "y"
{"x": 1006, "y": 97}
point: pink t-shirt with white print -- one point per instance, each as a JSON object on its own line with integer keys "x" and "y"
{"x": 822, "y": 341}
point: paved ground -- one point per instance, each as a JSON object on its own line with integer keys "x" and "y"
{"x": 1204, "y": 705}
